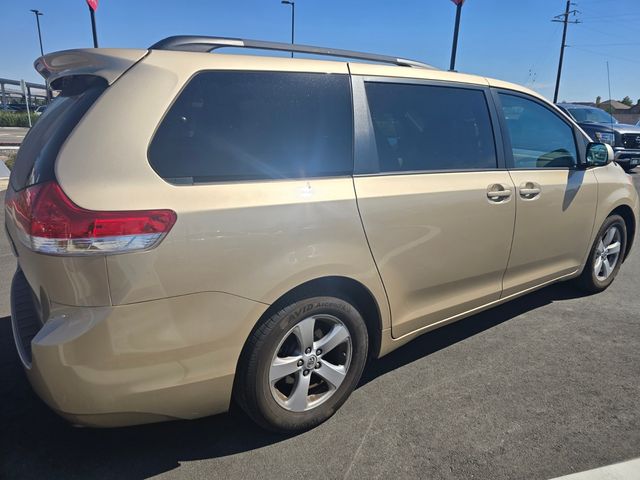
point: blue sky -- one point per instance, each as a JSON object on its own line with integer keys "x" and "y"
{"x": 512, "y": 40}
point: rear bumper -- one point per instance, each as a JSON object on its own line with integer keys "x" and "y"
{"x": 139, "y": 363}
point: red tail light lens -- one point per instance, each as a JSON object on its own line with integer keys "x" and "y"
{"x": 49, "y": 222}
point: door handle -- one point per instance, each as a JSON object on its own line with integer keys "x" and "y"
{"x": 529, "y": 190}
{"x": 498, "y": 193}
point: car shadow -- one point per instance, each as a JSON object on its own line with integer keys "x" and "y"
{"x": 36, "y": 443}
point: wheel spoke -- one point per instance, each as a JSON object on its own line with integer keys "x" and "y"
{"x": 607, "y": 267}
{"x": 333, "y": 374}
{"x": 304, "y": 332}
{"x": 281, "y": 367}
{"x": 609, "y": 235}
{"x": 332, "y": 339}
{"x": 297, "y": 401}
{"x": 598, "y": 266}
{"x": 613, "y": 248}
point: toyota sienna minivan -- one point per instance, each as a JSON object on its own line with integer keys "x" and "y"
{"x": 193, "y": 228}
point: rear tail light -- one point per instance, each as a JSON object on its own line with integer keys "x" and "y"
{"x": 48, "y": 221}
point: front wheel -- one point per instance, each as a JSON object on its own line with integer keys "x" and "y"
{"x": 301, "y": 364}
{"x": 606, "y": 255}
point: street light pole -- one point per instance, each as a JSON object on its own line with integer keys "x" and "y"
{"x": 293, "y": 19}
{"x": 456, "y": 31}
{"x": 38, "y": 13}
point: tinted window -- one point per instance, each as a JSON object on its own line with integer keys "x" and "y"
{"x": 250, "y": 125}
{"x": 424, "y": 127}
{"x": 38, "y": 152}
{"x": 539, "y": 138}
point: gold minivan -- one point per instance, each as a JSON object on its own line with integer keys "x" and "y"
{"x": 193, "y": 228}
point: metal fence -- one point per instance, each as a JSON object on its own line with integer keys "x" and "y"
{"x": 11, "y": 92}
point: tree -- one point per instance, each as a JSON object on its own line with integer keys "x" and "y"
{"x": 599, "y": 99}
{"x": 627, "y": 101}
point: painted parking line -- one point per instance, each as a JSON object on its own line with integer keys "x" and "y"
{"x": 629, "y": 470}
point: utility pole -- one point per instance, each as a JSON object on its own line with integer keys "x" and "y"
{"x": 563, "y": 18}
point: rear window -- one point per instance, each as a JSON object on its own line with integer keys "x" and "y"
{"x": 39, "y": 149}
{"x": 229, "y": 126}
{"x": 429, "y": 127}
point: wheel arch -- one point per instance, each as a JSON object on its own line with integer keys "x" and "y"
{"x": 341, "y": 287}
{"x": 628, "y": 216}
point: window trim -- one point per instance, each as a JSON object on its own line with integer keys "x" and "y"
{"x": 365, "y": 148}
{"x": 194, "y": 183}
{"x": 508, "y": 149}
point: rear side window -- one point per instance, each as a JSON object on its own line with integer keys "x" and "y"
{"x": 37, "y": 155}
{"x": 228, "y": 126}
{"x": 427, "y": 127}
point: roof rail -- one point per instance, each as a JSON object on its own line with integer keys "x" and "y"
{"x": 207, "y": 44}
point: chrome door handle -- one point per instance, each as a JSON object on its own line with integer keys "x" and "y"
{"x": 529, "y": 190}
{"x": 498, "y": 193}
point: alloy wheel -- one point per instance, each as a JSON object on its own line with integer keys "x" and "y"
{"x": 607, "y": 253}
{"x": 310, "y": 363}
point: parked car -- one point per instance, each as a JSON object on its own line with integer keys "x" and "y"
{"x": 40, "y": 109}
{"x": 10, "y": 107}
{"x": 258, "y": 228}
{"x": 603, "y": 127}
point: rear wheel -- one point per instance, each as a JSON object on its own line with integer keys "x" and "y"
{"x": 301, "y": 364}
{"x": 606, "y": 255}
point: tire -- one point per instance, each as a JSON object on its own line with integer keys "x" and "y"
{"x": 276, "y": 346}
{"x": 589, "y": 280}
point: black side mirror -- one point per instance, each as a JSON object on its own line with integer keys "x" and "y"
{"x": 599, "y": 154}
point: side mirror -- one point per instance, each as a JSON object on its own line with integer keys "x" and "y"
{"x": 599, "y": 154}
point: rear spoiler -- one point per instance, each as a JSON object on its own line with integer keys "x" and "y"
{"x": 107, "y": 63}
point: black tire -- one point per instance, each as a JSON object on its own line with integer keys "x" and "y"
{"x": 588, "y": 280}
{"x": 252, "y": 389}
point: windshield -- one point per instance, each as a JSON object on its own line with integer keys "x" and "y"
{"x": 591, "y": 115}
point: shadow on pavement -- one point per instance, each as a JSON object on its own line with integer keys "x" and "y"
{"x": 34, "y": 442}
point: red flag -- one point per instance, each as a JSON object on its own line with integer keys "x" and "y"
{"x": 93, "y": 4}
{"x": 458, "y": 2}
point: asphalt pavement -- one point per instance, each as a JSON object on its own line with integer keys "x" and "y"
{"x": 12, "y": 135}
{"x": 541, "y": 387}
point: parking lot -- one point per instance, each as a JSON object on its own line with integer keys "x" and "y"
{"x": 541, "y": 387}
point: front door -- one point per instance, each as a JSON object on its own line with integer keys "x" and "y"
{"x": 555, "y": 200}
{"x": 437, "y": 211}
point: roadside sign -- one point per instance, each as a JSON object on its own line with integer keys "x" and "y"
{"x": 93, "y": 4}
{"x": 458, "y": 2}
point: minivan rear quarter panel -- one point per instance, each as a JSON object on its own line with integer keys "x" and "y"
{"x": 312, "y": 228}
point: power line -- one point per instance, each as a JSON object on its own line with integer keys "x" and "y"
{"x": 563, "y": 18}
{"x": 604, "y": 44}
{"x": 604, "y": 54}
